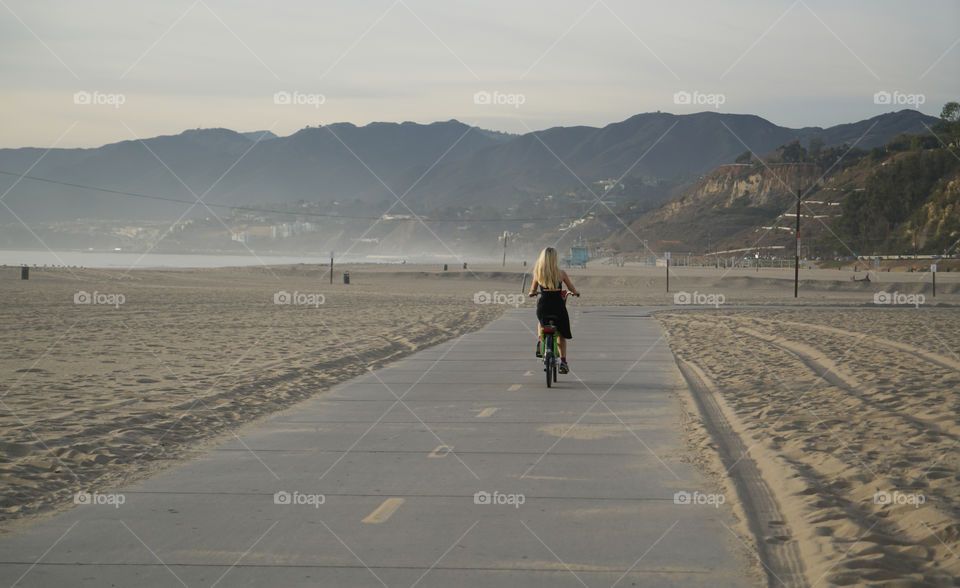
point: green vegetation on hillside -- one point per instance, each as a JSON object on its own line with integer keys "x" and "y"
{"x": 911, "y": 201}
{"x": 833, "y": 158}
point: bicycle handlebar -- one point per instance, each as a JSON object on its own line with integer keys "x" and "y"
{"x": 563, "y": 293}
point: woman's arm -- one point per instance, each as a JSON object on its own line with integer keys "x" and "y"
{"x": 533, "y": 289}
{"x": 566, "y": 280}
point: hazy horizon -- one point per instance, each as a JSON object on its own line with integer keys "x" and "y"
{"x": 158, "y": 69}
{"x": 427, "y": 122}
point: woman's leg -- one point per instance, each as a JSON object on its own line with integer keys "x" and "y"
{"x": 563, "y": 347}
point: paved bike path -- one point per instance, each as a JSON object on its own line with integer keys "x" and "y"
{"x": 453, "y": 467}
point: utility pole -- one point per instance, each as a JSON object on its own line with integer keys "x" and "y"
{"x": 796, "y": 264}
{"x": 504, "y": 249}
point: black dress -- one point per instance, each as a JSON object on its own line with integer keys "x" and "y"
{"x": 551, "y": 305}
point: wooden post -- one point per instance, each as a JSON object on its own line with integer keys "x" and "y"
{"x": 667, "y": 255}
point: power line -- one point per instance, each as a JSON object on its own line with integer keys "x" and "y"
{"x": 278, "y": 211}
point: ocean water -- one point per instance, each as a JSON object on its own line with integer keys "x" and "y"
{"x": 109, "y": 259}
{"x": 102, "y": 259}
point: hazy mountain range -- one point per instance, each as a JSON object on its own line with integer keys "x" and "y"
{"x": 445, "y": 163}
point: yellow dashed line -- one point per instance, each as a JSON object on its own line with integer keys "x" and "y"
{"x": 487, "y": 412}
{"x": 514, "y": 387}
{"x": 384, "y": 511}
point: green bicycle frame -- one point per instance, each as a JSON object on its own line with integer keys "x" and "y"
{"x": 543, "y": 343}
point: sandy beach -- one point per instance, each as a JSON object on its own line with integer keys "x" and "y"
{"x": 855, "y": 429}
{"x": 98, "y": 394}
{"x": 848, "y": 405}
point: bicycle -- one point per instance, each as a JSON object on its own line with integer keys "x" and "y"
{"x": 550, "y": 349}
{"x": 550, "y": 344}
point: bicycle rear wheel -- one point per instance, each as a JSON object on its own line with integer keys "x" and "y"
{"x": 549, "y": 360}
{"x": 547, "y": 367}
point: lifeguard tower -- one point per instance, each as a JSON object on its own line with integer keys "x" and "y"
{"x": 576, "y": 257}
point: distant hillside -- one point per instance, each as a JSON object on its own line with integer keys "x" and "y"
{"x": 909, "y": 202}
{"x": 714, "y": 213}
{"x": 654, "y": 145}
{"x": 259, "y": 135}
{"x": 449, "y": 164}
{"x": 898, "y": 196}
{"x": 901, "y": 198}
{"x": 338, "y": 162}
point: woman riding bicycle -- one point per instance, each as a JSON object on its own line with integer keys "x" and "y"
{"x": 548, "y": 276}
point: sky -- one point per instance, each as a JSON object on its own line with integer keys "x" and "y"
{"x": 82, "y": 74}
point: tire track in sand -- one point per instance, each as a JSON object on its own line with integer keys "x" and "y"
{"x": 776, "y": 547}
{"x": 831, "y": 372}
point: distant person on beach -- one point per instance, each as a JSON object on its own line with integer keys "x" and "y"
{"x": 549, "y": 278}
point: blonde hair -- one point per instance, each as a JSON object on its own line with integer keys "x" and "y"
{"x": 547, "y": 271}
